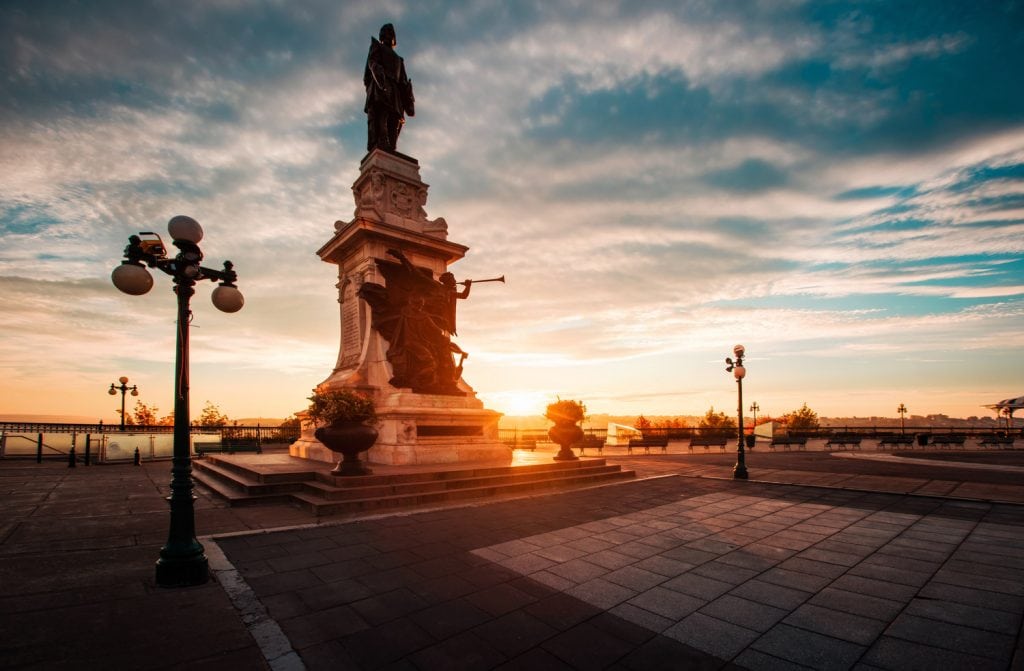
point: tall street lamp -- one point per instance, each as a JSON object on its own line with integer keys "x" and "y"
{"x": 903, "y": 411}
{"x": 182, "y": 560}
{"x": 739, "y": 372}
{"x": 124, "y": 388}
{"x": 754, "y": 407}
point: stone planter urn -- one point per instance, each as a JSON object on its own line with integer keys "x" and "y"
{"x": 345, "y": 416}
{"x": 348, "y": 439}
{"x": 565, "y": 433}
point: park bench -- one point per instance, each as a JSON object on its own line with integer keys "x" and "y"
{"x": 788, "y": 442}
{"x": 592, "y": 442}
{"x": 707, "y": 442}
{"x": 948, "y": 439}
{"x": 996, "y": 440}
{"x": 647, "y": 443}
{"x": 895, "y": 440}
{"x": 844, "y": 439}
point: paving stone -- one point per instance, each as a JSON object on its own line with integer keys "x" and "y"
{"x": 586, "y": 647}
{"x": 754, "y": 659}
{"x": 698, "y": 586}
{"x": 952, "y": 636}
{"x": 770, "y": 594}
{"x": 536, "y": 659}
{"x": 527, "y": 563}
{"x": 500, "y": 599}
{"x": 894, "y": 653}
{"x": 872, "y": 586}
{"x": 973, "y": 597}
{"x": 397, "y": 603}
{"x": 610, "y": 559}
{"x": 313, "y": 628}
{"x": 727, "y": 573}
{"x": 890, "y": 574}
{"x": 713, "y": 636}
{"x": 635, "y": 578}
{"x": 561, "y": 611}
{"x": 465, "y": 651}
{"x": 515, "y": 633}
{"x": 837, "y": 624}
{"x": 808, "y": 648}
{"x": 552, "y": 581}
{"x": 750, "y": 614}
{"x": 807, "y": 582}
{"x": 812, "y": 567}
{"x": 641, "y": 617}
{"x": 971, "y": 616}
{"x": 667, "y": 603}
{"x": 601, "y": 593}
{"x": 858, "y": 604}
{"x": 662, "y": 652}
{"x": 450, "y": 618}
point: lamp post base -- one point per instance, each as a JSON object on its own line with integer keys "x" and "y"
{"x": 739, "y": 472}
{"x": 184, "y": 570}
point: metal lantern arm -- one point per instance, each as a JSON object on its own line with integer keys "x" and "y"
{"x": 188, "y": 258}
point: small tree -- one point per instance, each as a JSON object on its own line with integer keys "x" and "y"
{"x": 717, "y": 420}
{"x": 166, "y": 420}
{"x": 211, "y": 416}
{"x": 129, "y": 420}
{"x": 803, "y": 419}
{"x": 289, "y": 428}
{"x": 145, "y": 415}
{"x": 642, "y": 423}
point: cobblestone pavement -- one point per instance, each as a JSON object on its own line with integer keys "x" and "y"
{"x": 818, "y": 562}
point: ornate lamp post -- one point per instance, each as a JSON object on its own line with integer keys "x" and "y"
{"x": 124, "y": 388}
{"x": 903, "y": 411}
{"x": 739, "y": 372}
{"x": 754, "y": 407}
{"x": 182, "y": 560}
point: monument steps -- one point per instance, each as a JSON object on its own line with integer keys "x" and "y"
{"x": 321, "y": 493}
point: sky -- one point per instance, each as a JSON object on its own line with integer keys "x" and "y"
{"x": 838, "y": 186}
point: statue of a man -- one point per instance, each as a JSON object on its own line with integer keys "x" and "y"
{"x": 388, "y": 92}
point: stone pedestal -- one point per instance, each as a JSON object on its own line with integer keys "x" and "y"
{"x": 414, "y": 428}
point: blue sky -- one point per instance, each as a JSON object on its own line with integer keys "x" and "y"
{"x": 837, "y": 185}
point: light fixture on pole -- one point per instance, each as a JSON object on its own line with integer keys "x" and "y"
{"x": 182, "y": 560}
{"x": 754, "y": 407}
{"x": 739, "y": 372}
{"x": 903, "y": 411}
{"x": 134, "y": 389}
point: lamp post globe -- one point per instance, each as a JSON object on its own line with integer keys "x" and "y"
{"x": 227, "y": 298}
{"x": 132, "y": 279}
{"x": 185, "y": 228}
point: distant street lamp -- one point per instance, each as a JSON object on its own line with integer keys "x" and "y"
{"x": 903, "y": 411}
{"x": 739, "y": 372}
{"x": 182, "y": 560}
{"x": 754, "y": 407}
{"x": 124, "y": 388}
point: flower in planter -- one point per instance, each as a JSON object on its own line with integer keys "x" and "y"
{"x": 567, "y": 411}
{"x": 341, "y": 406}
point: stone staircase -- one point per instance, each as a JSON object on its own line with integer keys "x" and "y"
{"x": 320, "y": 493}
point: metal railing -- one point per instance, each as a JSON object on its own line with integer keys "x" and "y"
{"x": 95, "y": 443}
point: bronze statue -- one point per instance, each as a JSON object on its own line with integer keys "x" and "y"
{"x": 388, "y": 92}
{"x": 416, "y": 315}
